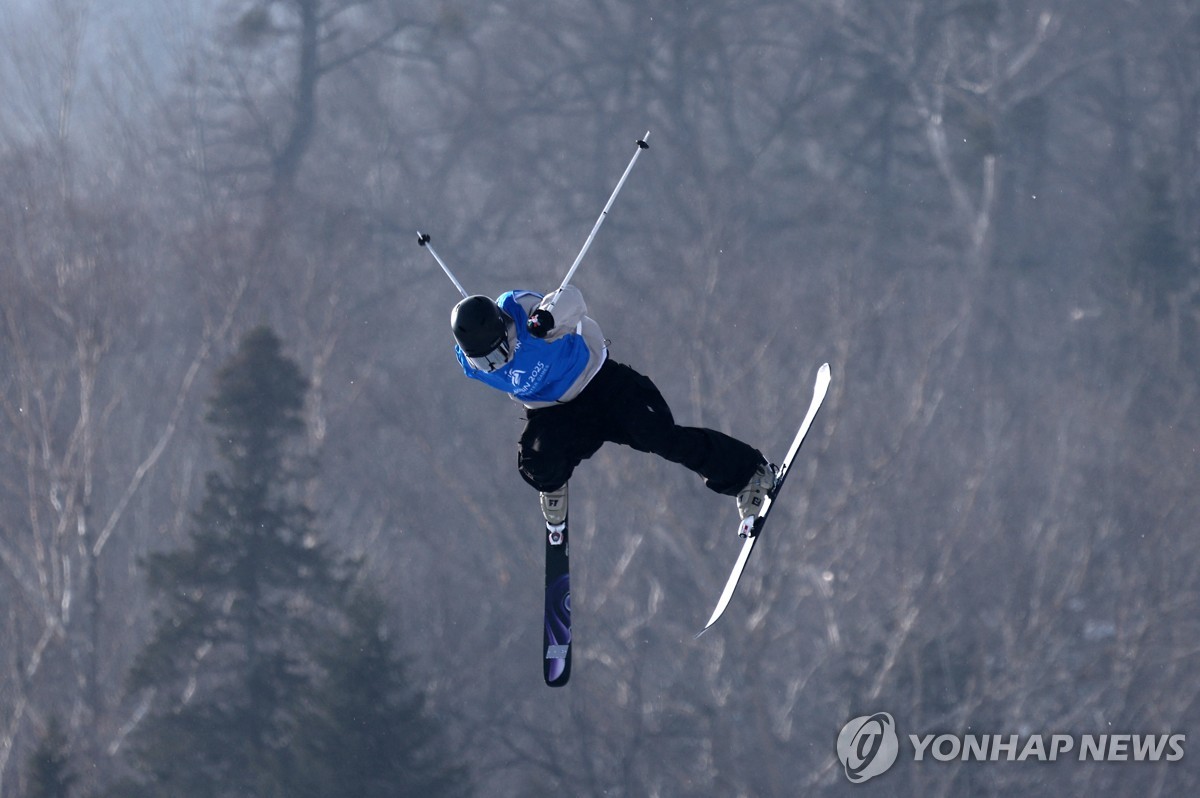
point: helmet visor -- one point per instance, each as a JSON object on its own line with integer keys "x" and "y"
{"x": 492, "y": 360}
{"x": 496, "y": 357}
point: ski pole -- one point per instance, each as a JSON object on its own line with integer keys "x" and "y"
{"x": 423, "y": 240}
{"x": 641, "y": 145}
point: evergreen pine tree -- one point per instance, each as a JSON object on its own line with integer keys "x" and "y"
{"x": 50, "y": 774}
{"x": 239, "y": 607}
{"x": 270, "y": 679}
{"x": 1158, "y": 260}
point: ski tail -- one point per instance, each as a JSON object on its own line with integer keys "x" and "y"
{"x": 731, "y": 583}
{"x": 556, "y": 637}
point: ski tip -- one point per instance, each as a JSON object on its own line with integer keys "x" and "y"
{"x": 822, "y": 384}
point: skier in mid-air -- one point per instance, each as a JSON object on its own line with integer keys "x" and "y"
{"x": 549, "y": 355}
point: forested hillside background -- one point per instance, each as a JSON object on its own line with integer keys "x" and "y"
{"x": 984, "y": 215}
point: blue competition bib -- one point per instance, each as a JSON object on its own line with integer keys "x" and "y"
{"x": 540, "y": 370}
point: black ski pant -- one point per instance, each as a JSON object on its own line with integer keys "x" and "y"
{"x": 625, "y": 407}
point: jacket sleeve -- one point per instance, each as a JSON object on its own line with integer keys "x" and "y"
{"x": 568, "y": 310}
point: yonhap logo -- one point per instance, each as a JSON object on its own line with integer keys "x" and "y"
{"x": 867, "y": 746}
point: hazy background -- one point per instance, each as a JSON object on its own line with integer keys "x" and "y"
{"x": 984, "y": 215}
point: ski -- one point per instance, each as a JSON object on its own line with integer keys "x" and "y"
{"x": 752, "y": 527}
{"x": 556, "y": 639}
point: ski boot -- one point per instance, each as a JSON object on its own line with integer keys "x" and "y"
{"x": 750, "y": 498}
{"x": 554, "y": 509}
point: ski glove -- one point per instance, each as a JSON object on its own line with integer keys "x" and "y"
{"x": 540, "y": 323}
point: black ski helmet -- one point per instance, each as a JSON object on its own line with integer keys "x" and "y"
{"x": 480, "y": 326}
